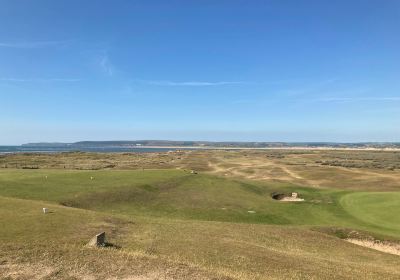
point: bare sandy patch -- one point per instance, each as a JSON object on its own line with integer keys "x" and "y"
{"x": 291, "y": 199}
{"x": 383, "y": 246}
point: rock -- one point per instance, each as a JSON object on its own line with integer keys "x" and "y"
{"x": 45, "y": 210}
{"x": 98, "y": 240}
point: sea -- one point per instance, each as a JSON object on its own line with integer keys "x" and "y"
{"x": 44, "y": 149}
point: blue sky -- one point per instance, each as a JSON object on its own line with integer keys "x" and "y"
{"x": 199, "y": 70}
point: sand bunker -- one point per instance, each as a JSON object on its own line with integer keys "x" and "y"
{"x": 383, "y": 246}
{"x": 287, "y": 197}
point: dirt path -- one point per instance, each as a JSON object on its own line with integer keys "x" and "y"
{"x": 290, "y": 172}
{"x": 262, "y": 169}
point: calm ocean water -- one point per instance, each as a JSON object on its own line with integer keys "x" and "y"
{"x": 20, "y": 149}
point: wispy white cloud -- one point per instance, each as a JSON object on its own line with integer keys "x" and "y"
{"x": 39, "y": 80}
{"x": 189, "y": 83}
{"x": 106, "y": 65}
{"x": 33, "y": 44}
{"x": 222, "y": 83}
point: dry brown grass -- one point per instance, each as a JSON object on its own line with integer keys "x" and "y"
{"x": 52, "y": 246}
{"x": 306, "y": 168}
{"x": 367, "y": 170}
{"x": 37, "y": 246}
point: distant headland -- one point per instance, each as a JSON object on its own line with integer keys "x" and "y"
{"x": 216, "y": 145}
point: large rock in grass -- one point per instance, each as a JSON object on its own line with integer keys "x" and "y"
{"x": 99, "y": 240}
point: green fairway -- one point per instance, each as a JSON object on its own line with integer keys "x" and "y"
{"x": 56, "y": 185}
{"x": 174, "y": 193}
{"x": 379, "y": 210}
{"x": 179, "y": 194}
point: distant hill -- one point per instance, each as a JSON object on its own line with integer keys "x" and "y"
{"x": 168, "y": 143}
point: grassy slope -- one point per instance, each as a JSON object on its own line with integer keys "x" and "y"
{"x": 178, "y": 194}
{"x": 172, "y": 249}
{"x": 155, "y": 201}
{"x": 52, "y": 246}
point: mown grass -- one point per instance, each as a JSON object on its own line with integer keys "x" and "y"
{"x": 60, "y": 184}
{"x": 380, "y": 210}
{"x": 196, "y": 225}
{"x": 173, "y": 193}
{"x": 181, "y": 195}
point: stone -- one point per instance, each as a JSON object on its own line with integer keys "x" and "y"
{"x": 45, "y": 210}
{"x": 98, "y": 240}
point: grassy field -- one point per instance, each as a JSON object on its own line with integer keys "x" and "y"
{"x": 171, "y": 224}
{"x": 379, "y": 210}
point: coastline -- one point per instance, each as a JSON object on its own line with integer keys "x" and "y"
{"x": 266, "y": 148}
{"x": 150, "y": 149}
